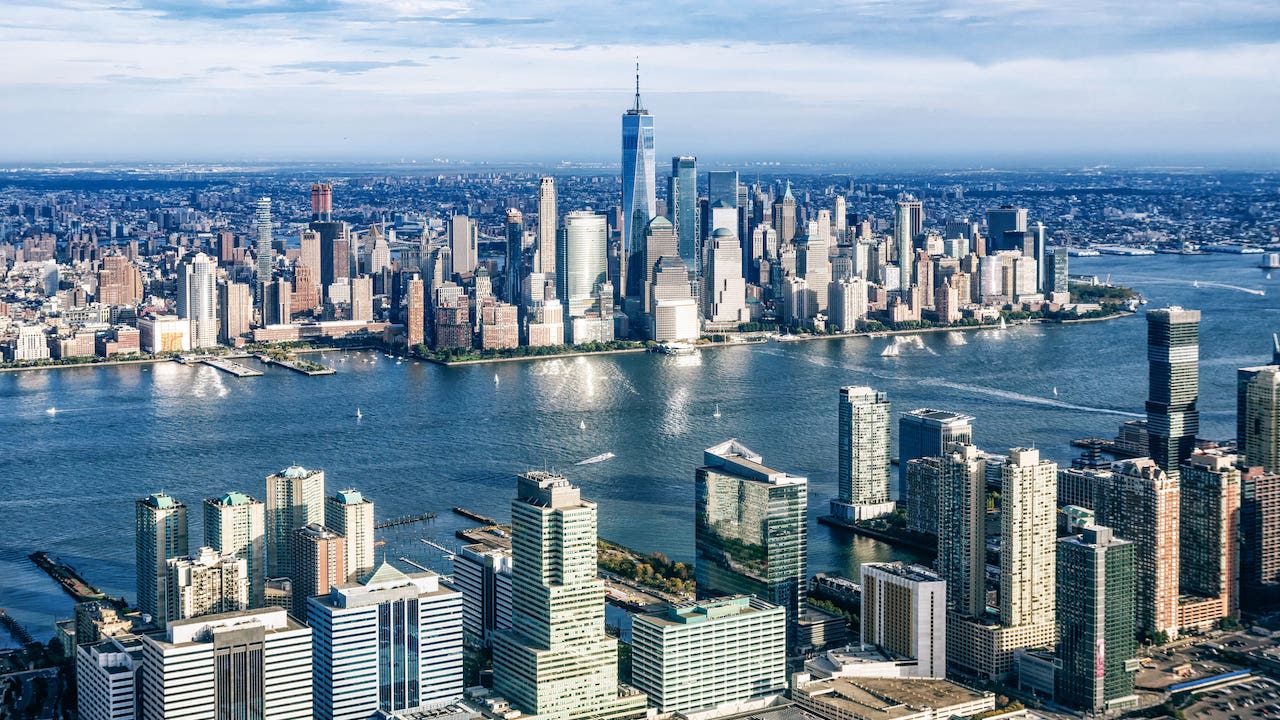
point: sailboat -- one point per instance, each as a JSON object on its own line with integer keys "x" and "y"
{"x": 51, "y": 411}
{"x": 1002, "y": 323}
{"x": 716, "y": 414}
{"x": 359, "y": 415}
{"x": 890, "y": 351}
{"x": 1195, "y": 283}
{"x": 496, "y": 379}
{"x": 582, "y": 424}
{"x": 1055, "y": 391}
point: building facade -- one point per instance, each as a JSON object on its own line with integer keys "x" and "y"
{"x": 862, "y": 476}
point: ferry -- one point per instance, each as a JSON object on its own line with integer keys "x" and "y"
{"x": 676, "y": 348}
{"x": 1270, "y": 262}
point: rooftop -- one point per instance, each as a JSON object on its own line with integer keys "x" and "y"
{"x": 888, "y": 698}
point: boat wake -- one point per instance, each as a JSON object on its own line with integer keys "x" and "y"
{"x": 595, "y": 459}
{"x": 1028, "y": 399}
{"x": 1199, "y": 284}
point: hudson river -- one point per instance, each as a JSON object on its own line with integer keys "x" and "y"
{"x": 433, "y": 437}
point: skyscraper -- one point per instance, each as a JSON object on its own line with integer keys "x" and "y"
{"x": 197, "y": 298}
{"x": 235, "y": 307}
{"x": 784, "y": 216}
{"x": 207, "y": 583}
{"x": 683, "y": 203}
{"x": 750, "y": 530}
{"x": 1141, "y": 503}
{"x": 1096, "y": 604}
{"x": 295, "y": 499}
{"x": 862, "y": 477}
{"x": 1173, "y": 361}
{"x": 545, "y": 251}
{"x": 583, "y": 262}
{"x": 1258, "y": 416}
{"x": 234, "y": 525}
{"x": 513, "y": 266}
{"x": 1209, "y": 540}
{"x": 388, "y": 644}
{"x": 482, "y": 572}
{"x": 904, "y": 609}
{"x": 1259, "y": 539}
{"x": 321, "y": 202}
{"x": 350, "y": 514}
{"x": 415, "y": 313}
{"x": 1028, "y": 531}
{"x": 556, "y": 661}
{"x": 961, "y": 529}
{"x": 908, "y": 212}
{"x": 319, "y": 562}
{"x": 927, "y": 433}
{"x": 639, "y": 177}
{"x": 262, "y": 250}
{"x": 725, "y": 299}
{"x": 1006, "y": 218}
{"x": 463, "y": 245}
{"x": 160, "y": 535}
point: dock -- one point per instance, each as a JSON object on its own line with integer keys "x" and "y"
{"x": 232, "y": 367}
{"x": 15, "y": 628}
{"x": 71, "y": 582}
{"x": 305, "y": 367}
{"x": 483, "y": 520}
{"x": 915, "y": 541}
{"x": 393, "y": 522}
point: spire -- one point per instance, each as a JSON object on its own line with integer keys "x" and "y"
{"x": 638, "y": 108}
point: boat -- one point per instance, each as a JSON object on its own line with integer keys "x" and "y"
{"x": 1195, "y": 283}
{"x": 582, "y": 424}
{"x": 716, "y": 414}
{"x": 677, "y": 348}
{"x": 399, "y": 362}
{"x": 1055, "y": 391}
{"x": 496, "y": 379}
{"x": 51, "y": 411}
{"x": 1003, "y": 325}
{"x": 359, "y": 415}
{"x": 890, "y": 351}
{"x": 595, "y": 459}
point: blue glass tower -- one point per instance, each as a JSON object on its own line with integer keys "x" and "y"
{"x": 639, "y": 176}
{"x": 683, "y": 202}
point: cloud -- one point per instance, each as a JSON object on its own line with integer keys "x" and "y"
{"x": 345, "y": 67}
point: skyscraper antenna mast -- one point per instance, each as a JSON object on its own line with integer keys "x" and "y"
{"x": 637, "y": 83}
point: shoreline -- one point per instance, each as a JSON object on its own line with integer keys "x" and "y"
{"x": 104, "y": 363}
{"x": 523, "y": 358}
{"x": 945, "y": 328}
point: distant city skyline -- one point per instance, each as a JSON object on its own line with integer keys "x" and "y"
{"x": 423, "y": 79}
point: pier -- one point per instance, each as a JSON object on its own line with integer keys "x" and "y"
{"x": 71, "y": 582}
{"x": 915, "y": 541}
{"x": 306, "y": 367}
{"x": 475, "y": 516}
{"x": 15, "y": 628}
{"x": 393, "y": 522}
{"x": 232, "y": 367}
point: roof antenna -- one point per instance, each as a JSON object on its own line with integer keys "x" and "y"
{"x": 638, "y": 108}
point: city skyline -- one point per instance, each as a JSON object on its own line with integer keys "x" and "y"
{"x": 235, "y": 80}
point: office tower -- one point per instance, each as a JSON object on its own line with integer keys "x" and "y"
{"x": 816, "y": 268}
{"x": 907, "y": 220}
{"x": 1097, "y": 645}
{"x": 107, "y": 674}
{"x": 304, "y": 294}
{"x": 262, "y": 250}
{"x": 583, "y": 263}
{"x": 252, "y": 664}
{"x": 277, "y": 303}
{"x": 840, "y": 220}
{"x": 197, "y": 298}
{"x": 1006, "y": 218}
{"x": 1259, "y": 539}
{"x": 962, "y": 511}
{"x": 862, "y": 476}
{"x": 927, "y": 433}
{"x": 1141, "y": 503}
{"x": 463, "y": 239}
{"x": 1055, "y": 272}
{"x": 1209, "y": 540}
{"x": 639, "y": 177}
{"x": 557, "y": 661}
{"x": 722, "y": 186}
{"x": 846, "y": 303}
{"x": 784, "y": 216}
{"x": 904, "y": 612}
{"x": 1028, "y": 495}
{"x": 321, "y": 202}
{"x": 751, "y": 530}
{"x": 513, "y": 263}
{"x": 388, "y": 644}
{"x": 119, "y": 282}
{"x": 207, "y": 583}
{"x": 309, "y": 253}
{"x": 295, "y": 498}
{"x": 319, "y": 562}
{"x": 683, "y": 200}
{"x": 1258, "y": 416}
{"x": 335, "y": 251}
{"x": 362, "y": 299}
{"x": 1173, "y": 361}
{"x": 415, "y": 313}
{"x": 722, "y": 653}
{"x": 661, "y": 240}
{"x": 160, "y": 534}
{"x": 350, "y": 514}
{"x": 226, "y": 245}
{"x": 235, "y": 308}
{"x": 545, "y": 252}
{"x": 725, "y": 300}
{"x": 234, "y": 524}
{"x": 482, "y": 573}
{"x": 378, "y": 252}
{"x": 674, "y": 311}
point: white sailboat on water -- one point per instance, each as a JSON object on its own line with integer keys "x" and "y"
{"x": 890, "y": 351}
{"x": 1002, "y": 323}
{"x": 359, "y": 415}
{"x": 582, "y": 424}
{"x": 716, "y": 414}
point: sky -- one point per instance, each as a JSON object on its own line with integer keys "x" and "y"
{"x": 729, "y": 80}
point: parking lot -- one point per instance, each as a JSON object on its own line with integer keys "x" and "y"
{"x": 1256, "y": 699}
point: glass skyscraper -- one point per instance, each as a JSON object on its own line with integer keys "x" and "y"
{"x": 1173, "y": 361}
{"x": 927, "y": 433}
{"x": 750, "y": 530}
{"x": 683, "y": 204}
{"x": 639, "y": 179}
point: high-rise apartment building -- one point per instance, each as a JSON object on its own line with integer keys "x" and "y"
{"x": 927, "y": 433}
{"x": 1173, "y": 362}
{"x": 1209, "y": 539}
{"x": 862, "y": 476}
{"x": 751, "y": 533}
{"x": 319, "y": 563}
{"x": 961, "y": 522}
{"x": 160, "y": 534}
{"x": 1259, "y": 539}
{"x": 350, "y": 514}
{"x": 388, "y": 644}
{"x": 1258, "y": 416}
{"x": 295, "y": 499}
{"x": 262, "y": 249}
{"x": 197, "y": 298}
{"x": 482, "y": 573}
{"x": 1141, "y": 503}
{"x": 545, "y": 250}
{"x": 234, "y": 524}
{"x": 207, "y": 583}
{"x": 513, "y": 269}
{"x": 1096, "y": 611}
{"x": 639, "y": 178}
{"x": 248, "y": 665}
{"x": 556, "y": 661}
{"x": 711, "y": 656}
{"x": 235, "y": 308}
{"x": 908, "y": 221}
{"x": 904, "y": 613}
{"x": 415, "y": 313}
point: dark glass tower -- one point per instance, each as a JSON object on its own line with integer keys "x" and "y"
{"x": 1173, "y": 361}
{"x": 683, "y": 202}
